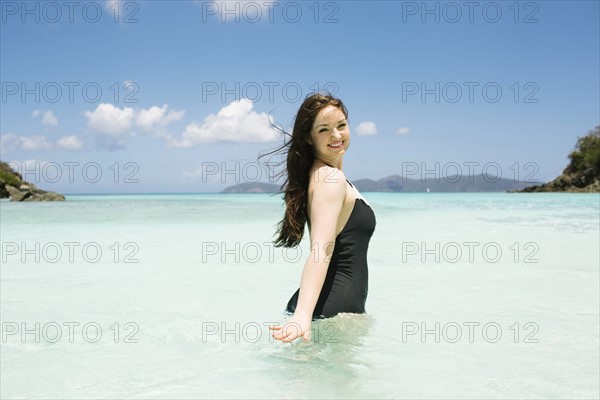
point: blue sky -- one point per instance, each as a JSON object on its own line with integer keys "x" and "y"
{"x": 432, "y": 88}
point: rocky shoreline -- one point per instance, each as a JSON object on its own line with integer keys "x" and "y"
{"x": 571, "y": 183}
{"x": 13, "y": 186}
{"x": 582, "y": 175}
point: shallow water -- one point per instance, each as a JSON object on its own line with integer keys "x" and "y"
{"x": 492, "y": 295}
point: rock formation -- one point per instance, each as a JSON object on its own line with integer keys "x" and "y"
{"x": 14, "y": 187}
{"x": 583, "y": 172}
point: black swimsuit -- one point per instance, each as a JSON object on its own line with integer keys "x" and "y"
{"x": 347, "y": 280}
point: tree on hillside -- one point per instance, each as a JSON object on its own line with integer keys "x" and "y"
{"x": 586, "y": 156}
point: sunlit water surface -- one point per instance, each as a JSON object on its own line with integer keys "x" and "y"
{"x": 490, "y": 295}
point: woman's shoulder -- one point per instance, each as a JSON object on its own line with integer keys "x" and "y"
{"x": 326, "y": 175}
{"x": 328, "y": 181}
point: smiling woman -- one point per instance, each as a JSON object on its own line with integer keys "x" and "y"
{"x": 340, "y": 221}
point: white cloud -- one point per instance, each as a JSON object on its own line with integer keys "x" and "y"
{"x": 49, "y": 120}
{"x": 9, "y": 142}
{"x": 155, "y": 118}
{"x": 403, "y": 131}
{"x": 71, "y": 142}
{"x": 236, "y": 122}
{"x": 36, "y": 142}
{"x": 120, "y": 122}
{"x": 110, "y": 120}
{"x": 366, "y": 128}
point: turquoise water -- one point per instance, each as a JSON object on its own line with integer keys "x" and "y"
{"x": 492, "y": 295}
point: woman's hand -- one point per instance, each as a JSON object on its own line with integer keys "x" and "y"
{"x": 297, "y": 326}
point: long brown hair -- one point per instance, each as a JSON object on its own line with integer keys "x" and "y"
{"x": 299, "y": 154}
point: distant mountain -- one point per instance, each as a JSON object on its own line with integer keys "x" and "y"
{"x": 398, "y": 183}
{"x": 252, "y": 187}
{"x": 454, "y": 183}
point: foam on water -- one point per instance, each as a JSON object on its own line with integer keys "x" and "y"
{"x": 186, "y": 285}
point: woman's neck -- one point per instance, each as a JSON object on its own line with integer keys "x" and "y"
{"x": 331, "y": 163}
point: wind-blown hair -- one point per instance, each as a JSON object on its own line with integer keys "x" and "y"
{"x": 298, "y": 153}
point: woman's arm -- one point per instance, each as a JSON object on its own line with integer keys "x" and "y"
{"x": 328, "y": 197}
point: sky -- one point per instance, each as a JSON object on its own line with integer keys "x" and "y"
{"x": 176, "y": 96}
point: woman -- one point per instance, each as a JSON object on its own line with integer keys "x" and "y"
{"x": 340, "y": 221}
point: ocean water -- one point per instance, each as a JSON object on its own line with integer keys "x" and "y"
{"x": 471, "y": 295}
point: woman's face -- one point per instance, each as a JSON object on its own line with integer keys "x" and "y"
{"x": 330, "y": 135}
